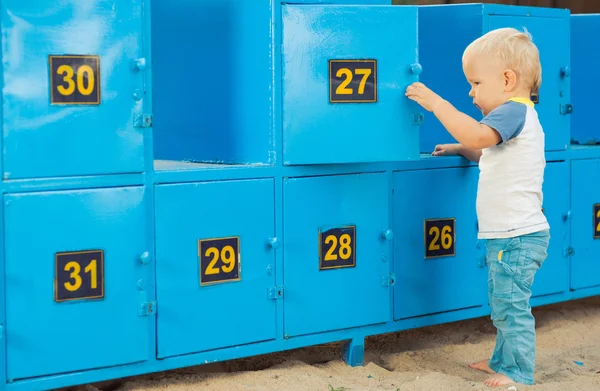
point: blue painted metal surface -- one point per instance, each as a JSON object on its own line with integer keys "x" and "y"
{"x": 552, "y": 278}
{"x": 585, "y": 59}
{"x": 428, "y": 281}
{"x": 195, "y": 317}
{"x": 45, "y": 336}
{"x": 41, "y": 139}
{"x": 316, "y": 131}
{"x": 585, "y": 231}
{"x": 446, "y": 30}
{"x": 344, "y": 297}
{"x": 147, "y": 207}
{"x": 213, "y": 91}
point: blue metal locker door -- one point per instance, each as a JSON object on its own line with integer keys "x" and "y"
{"x": 551, "y": 36}
{"x": 75, "y": 280}
{"x": 585, "y": 224}
{"x": 553, "y": 276}
{"x": 336, "y": 260}
{"x": 345, "y": 72}
{"x": 214, "y": 265}
{"x": 64, "y": 114}
{"x": 438, "y": 262}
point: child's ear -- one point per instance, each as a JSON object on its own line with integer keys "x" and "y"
{"x": 510, "y": 80}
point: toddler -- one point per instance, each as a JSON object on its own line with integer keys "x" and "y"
{"x": 504, "y": 70}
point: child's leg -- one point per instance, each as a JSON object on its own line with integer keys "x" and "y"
{"x": 512, "y": 271}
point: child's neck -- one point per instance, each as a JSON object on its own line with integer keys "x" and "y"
{"x": 523, "y": 93}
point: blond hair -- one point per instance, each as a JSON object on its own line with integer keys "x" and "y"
{"x": 512, "y": 49}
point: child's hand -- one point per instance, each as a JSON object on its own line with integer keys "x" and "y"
{"x": 423, "y": 96}
{"x": 446, "y": 150}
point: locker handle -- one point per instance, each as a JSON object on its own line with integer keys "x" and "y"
{"x": 388, "y": 234}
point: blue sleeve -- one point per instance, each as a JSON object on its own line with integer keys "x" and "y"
{"x": 507, "y": 119}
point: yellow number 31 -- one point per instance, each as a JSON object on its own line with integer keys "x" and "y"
{"x": 75, "y": 269}
{"x": 83, "y": 71}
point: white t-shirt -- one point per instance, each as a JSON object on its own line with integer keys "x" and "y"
{"x": 509, "y": 195}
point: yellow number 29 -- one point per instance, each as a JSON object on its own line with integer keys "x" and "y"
{"x": 446, "y": 238}
{"x": 227, "y": 255}
{"x": 343, "y": 88}
{"x": 67, "y": 73}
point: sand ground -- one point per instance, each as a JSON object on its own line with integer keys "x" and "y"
{"x": 428, "y": 359}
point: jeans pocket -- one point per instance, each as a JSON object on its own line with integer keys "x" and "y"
{"x": 532, "y": 262}
{"x": 502, "y": 272}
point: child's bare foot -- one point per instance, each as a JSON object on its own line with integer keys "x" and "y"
{"x": 498, "y": 380}
{"x": 482, "y": 366}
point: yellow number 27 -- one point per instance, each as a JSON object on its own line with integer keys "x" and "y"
{"x": 346, "y": 73}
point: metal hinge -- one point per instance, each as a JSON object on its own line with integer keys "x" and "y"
{"x": 142, "y": 121}
{"x": 275, "y": 292}
{"x": 566, "y": 108}
{"x": 388, "y": 280}
{"x": 416, "y": 118}
{"x": 147, "y": 308}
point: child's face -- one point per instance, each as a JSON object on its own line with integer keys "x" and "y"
{"x": 488, "y": 84}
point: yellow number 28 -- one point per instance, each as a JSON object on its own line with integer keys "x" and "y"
{"x": 345, "y": 247}
{"x": 67, "y": 73}
{"x": 343, "y": 88}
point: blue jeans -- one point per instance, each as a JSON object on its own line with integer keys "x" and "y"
{"x": 512, "y": 266}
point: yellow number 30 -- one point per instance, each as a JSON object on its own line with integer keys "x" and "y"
{"x": 67, "y": 72}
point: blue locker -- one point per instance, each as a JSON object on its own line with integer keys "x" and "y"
{"x": 585, "y": 225}
{"x": 336, "y": 256}
{"x": 214, "y": 265}
{"x": 71, "y": 90}
{"x": 212, "y": 68}
{"x": 585, "y": 58}
{"x": 438, "y": 262}
{"x": 553, "y": 276}
{"x": 345, "y": 72}
{"x": 73, "y": 260}
{"x": 446, "y": 30}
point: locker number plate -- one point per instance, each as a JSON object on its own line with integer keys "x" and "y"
{"x": 352, "y": 81}
{"x": 337, "y": 248}
{"x": 75, "y": 80}
{"x": 79, "y": 275}
{"x": 597, "y": 221}
{"x": 219, "y": 260}
{"x": 440, "y": 238}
